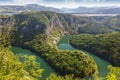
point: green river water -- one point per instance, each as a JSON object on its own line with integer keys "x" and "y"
{"x": 63, "y": 45}
{"x": 47, "y": 69}
{"x": 101, "y": 64}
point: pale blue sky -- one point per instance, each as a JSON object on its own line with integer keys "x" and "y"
{"x": 63, "y": 3}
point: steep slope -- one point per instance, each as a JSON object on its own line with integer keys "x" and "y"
{"x": 103, "y": 45}
{"x": 55, "y": 24}
{"x": 40, "y": 31}
{"x": 28, "y": 24}
{"x": 112, "y": 22}
{"x": 12, "y": 68}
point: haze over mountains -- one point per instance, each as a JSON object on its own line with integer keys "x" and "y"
{"x": 95, "y": 10}
{"x": 11, "y": 9}
{"x": 30, "y": 7}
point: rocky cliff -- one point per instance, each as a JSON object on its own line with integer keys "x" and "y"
{"x": 28, "y": 24}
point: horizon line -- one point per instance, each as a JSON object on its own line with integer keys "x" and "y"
{"x": 87, "y": 6}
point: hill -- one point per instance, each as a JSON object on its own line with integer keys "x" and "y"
{"x": 104, "y": 45}
{"x": 40, "y": 32}
{"x": 14, "y": 9}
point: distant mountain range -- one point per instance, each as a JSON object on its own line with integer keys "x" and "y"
{"x": 29, "y": 7}
{"x": 80, "y": 10}
{"x": 95, "y": 10}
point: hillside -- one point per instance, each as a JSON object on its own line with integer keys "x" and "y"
{"x": 54, "y": 25}
{"x": 112, "y": 22}
{"x": 69, "y": 24}
{"x": 40, "y": 32}
{"x": 50, "y": 23}
{"x": 104, "y": 45}
{"x": 13, "y": 69}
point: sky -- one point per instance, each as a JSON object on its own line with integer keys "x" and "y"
{"x": 63, "y": 3}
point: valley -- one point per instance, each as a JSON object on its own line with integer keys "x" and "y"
{"x": 45, "y": 34}
{"x": 101, "y": 64}
{"x": 44, "y": 65}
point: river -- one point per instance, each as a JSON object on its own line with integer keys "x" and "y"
{"x": 101, "y": 64}
{"x": 63, "y": 45}
{"x": 47, "y": 69}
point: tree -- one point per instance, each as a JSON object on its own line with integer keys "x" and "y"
{"x": 11, "y": 68}
{"x": 114, "y": 73}
{"x": 55, "y": 77}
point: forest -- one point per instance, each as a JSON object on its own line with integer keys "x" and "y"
{"x": 11, "y": 68}
{"x": 40, "y": 31}
{"x": 103, "y": 45}
{"x": 66, "y": 62}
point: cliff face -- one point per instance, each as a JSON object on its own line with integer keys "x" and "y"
{"x": 6, "y": 30}
{"x": 4, "y": 21}
{"x": 28, "y": 24}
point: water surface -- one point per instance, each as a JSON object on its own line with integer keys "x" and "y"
{"x": 101, "y": 63}
{"x": 47, "y": 69}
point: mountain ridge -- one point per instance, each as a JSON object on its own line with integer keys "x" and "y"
{"x": 13, "y": 9}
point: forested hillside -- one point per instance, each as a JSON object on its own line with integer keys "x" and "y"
{"x": 40, "y": 32}
{"x": 112, "y": 22}
{"x": 106, "y": 46}
{"x": 40, "y": 22}
{"x": 11, "y": 68}
{"x": 65, "y": 62}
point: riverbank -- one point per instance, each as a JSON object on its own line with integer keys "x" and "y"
{"x": 64, "y": 45}
{"x": 102, "y": 64}
{"x": 44, "y": 65}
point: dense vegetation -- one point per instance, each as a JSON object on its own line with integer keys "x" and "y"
{"x": 11, "y": 68}
{"x": 106, "y": 46}
{"x": 112, "y": 22}
{"x": 66, "y": 62}
{"x": 34, "y": 31}
{"x": 114, "y": 73}
{"x": 38, "y": 31}
{"x": 55, "y": 77}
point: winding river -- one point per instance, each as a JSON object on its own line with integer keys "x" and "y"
{"x": 101, "y": 64}
{"x": 64, "y": 45}
{"x": 47, "y": 69}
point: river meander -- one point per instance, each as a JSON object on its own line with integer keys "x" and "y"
{"x": 64, "y": 45}
{"x": 101, "y": 63}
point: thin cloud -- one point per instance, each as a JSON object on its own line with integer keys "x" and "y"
{"x": 63, "y": 3}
